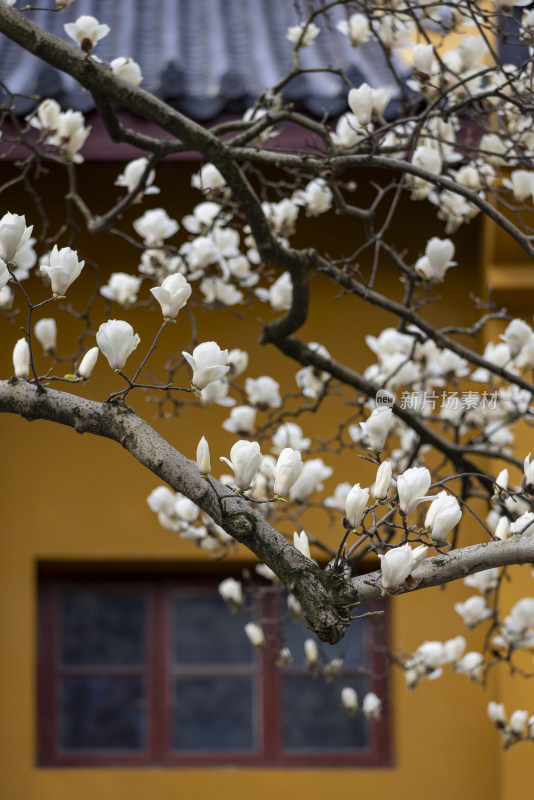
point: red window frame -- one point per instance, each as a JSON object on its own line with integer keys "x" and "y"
{"x": 158, "y": 591}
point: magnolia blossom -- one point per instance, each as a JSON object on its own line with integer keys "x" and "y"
{"x": 398, "y": 563}
{"x": 287, "y": 471}
{"x": 357, "y": 28}
{"x": 502, "y": 531}
{"x": 313, "y": 473}
{"x": 311, "y": 652}
{"x": 355, "y": 505}
{"x": 422, "y": 57}
{"x": 63, "y": 268}
{"x": 13, "y": 235}
{"x": 132, "y": 175}
{"x": 127, "y": 70}
{"x": 237, "y": 361}
{"x": 349, "y": 699}
{"x": 517, "y": 335}
{"x": 453, "y": 649}
{"x": 443, "y": 514}
{"x": 121, "y": 287}
{"x": 203, "y": 457}
{"x": 242, "y": 420}
{"x": 255, "y": 634}
{"x": 473, "y": 611}
{"x": 437, "y": 259}
{"x": 45, "y": 331}
{"x": 348, "y": 132}
{"x": 87, "y": 364}
{"x": 232, "y": 593}
{"x": 154, "y": 226}
{"x": 316, "y": 197}
{"x": 472, "y": 665}
{"x": 383, "y": 481}
{"x": 412, "y": 485}
{"x": 208, "y": 363}
{"x": 303, "y": 34}
{"x": 372, "y": 707}
{"x": 86, "y": 31}
{"x": 21, "y": 359}
{"x": 360, "y": 101}
{"x": 172, "y": 295}
{"x": 245, "y": 461}
{"x": 263, "y": 392}
{"x": 209, "y": 179}
{"x": 70, "y": 135}
{"x": 289, "y": 434}
{"x": 377, "y": 427}
{"x": 117, "y": 340}
{"x": 300, "y": 540}
{"x": 484, "y": 581}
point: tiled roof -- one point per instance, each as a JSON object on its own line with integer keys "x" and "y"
{"x": 206, "y": 57}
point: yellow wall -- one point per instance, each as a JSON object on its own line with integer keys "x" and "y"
{"x": 69, "y": 498}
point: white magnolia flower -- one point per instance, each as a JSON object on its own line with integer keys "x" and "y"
{"x": 303, "y": 34}
{"x": 208, "y": 363}
{"x": 63, "y": 269}
{"x": 121, "y": 287}
{"x": 70, "y": 135}
{"x": 203, "y": 457}
{"x": 287, "y": 471}
{"x": 502, "y": 530}
{"x": 437, "y": 259}
{"x": 443, "y": 514}
{"x": 348, "y": 132}
{"x": 412, "y": 485}
{"x": 357, "y": 28}
{"x": 87, "y": 364}
{"x": 245, "y": 461}
{"x": 422, "y": 57}
{"x": 133, "y": 173}
{"x": 255, "y": 634}
{"x": 517, "y": 335}
{"x": 349, "y": 699}
{"x": 13, "y": 235}
{"x": 232, "y": 593}
{"x": 300, "y": 541}
{"x": 289, "y": 434}
{"x": 383, "y": 481}
{"x": 355, "y": 505}
{"x": 518, "y": 723}
{"x": 242, "y": 420}
{"x": 316, "y": 197}
{"x": 86, "y": 31}
{"x": 360, "y": 102}
{"x": 209, "y": 179}
{"x": 154, "y": 226}
{"x": 394, "y": 32}
{"x": 372, "y": 707}
{"x": 216, "y": 290}
{"x": 203, "y": 217}
{"x": 311, "y": 652}
{"x": 377, "y": 427}
{"x": 172, "y": 295}
{"x": 263, "y": 392}
{"x": 6, "y": 297}
{"x": 45, "y": 331}
{"x": 216, "y": 392}
{"x": 313, "y": 473}
{"x": 21, "y": 359}
{"x": 396, "y": 565}
{"x": 473, "y": 611}
{"x": 279, "y": 295}
{"x": 237, "y": 361}
{"x": 127, "y": 70}
{"x": 472, "y": 665}
{"x": 484, "y": 581}
{"x": 453, "y": 649}
{"x": 521, "y": 184}
{"x": 117, "y": 340}
{"x": 46, "y": 116}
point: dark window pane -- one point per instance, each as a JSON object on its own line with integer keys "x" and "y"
{"x": 102, "y": 713}
{"x": 100, "y": 627}
{"x": 204, "y": 631}
{"x": 352, "y": 648}
{"x": 213, "y": 714}
{"x": 313, "y": 719}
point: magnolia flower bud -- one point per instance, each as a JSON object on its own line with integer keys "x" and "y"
{"x": 372, "y": 707}
{"x": 13, "y": 235}
{"x": 355, "y": 505}
{"x": 349, "y": 699}
{"x": 21, "y": 358}
{"x": 473, "y": 611}
{"x": 501, "y": 482}
{"x": 255, "y": 634}
{"x": 300, "y": 540}
{"x": 502, "y": 531}
{"x": 422, "y": 57}
{"x": 360, "y": 101}
{"x": 203, "y": 457}
{"x": 237, "y": 361}
{"x": 518, "y": 723}
{"x": 232, "y": 593}
{"x": 87, "y": 363}
{"x": 172, "y": 295}
{"x": 161, "y": 499}
{"x": 133, "y": 173}
{"x": 117, "y": 340}
{"x": 46, "y": 334}
{"x": 311, "y": 652}
{"x": 127, "y": 70}
{"x": 245, "y": 461}
{"x": 288, "y": 469}
{"x": 377, "y": 427}
{"x": 443, "y": 514}
{"x": 497, "y": 713}
{"x": 294, "y": 607}
{"x": 411, "y": 487}
{"x": 516, "y": 336}
{"x": 208, "y": 363}
{"x": 383, "y": 481}
{"x": 396, "y": 565}
{"x": 357, "y": 28}
{"x": 303, "y": 34}
{"x": 63, "y": 268}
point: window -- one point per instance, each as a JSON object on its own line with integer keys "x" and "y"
{"x": 159, "y": 671}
